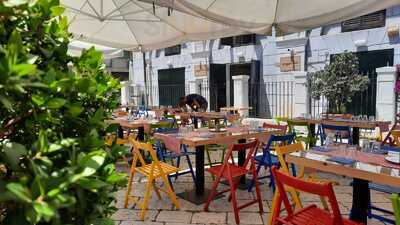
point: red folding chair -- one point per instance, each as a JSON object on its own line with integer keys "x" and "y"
{"x": 230, "y": 171}
{"x": 310, "y": 215}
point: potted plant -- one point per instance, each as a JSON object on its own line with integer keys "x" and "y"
{"x": 339, "y": 81}
{"x": 54, "y": 165}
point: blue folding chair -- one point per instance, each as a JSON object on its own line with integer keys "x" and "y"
{"x": 338, "y": 130}
{"x": 385, "y": 189}
{"x": 267, "y": 160}
{"x": 164, "y": 154}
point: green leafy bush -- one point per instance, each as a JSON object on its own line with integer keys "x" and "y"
{"x": 54, "y": 165}
{"x": 338, "y": 82}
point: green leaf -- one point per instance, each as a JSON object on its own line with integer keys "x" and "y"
{"x": 91, "y": 184}
{"x": 54, "y": 147}
{"x": 75, "y": 109}
{"x": 83, "y": 84}
{"x": 57, "y": 10}
{"x": 55, "y": 103}
{"x": 24, "y": 69}
{"x": 91, "y": 162}
{"x": 38, "y": 99}
{"x": 6, "y": 103}
{"x": 12, "y": 154}
{"x": 44, "y": 210}
{"x": 21, "y": 192}
{"x": 116, "y": 178}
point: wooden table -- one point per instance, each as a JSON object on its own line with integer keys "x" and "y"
{"x": 142, "y": 125}
{"x": 202, "y": 115}
{"x": 234, "y": 110}
{"x": 355, "y": 124}
{"x": 362, "y": 174}
{"x": 199, "y": 194}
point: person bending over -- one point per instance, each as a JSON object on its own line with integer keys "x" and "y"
{"x": 196, "y": 102}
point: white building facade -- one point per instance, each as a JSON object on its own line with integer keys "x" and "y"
{"x": 275, "y": 68}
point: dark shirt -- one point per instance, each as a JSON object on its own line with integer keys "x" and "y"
{"x": 192, "y": 98}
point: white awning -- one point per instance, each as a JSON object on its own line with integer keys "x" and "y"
{"x": 75, "y": 49}
{"x": 135, "y": 25}
{"x": 287, "y": 16}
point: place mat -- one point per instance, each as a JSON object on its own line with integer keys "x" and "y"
{"x": 341, "y": 160}
{"x": 360, "y": 156}
{"x": 321, "y": 149}
{"x": 171, "y": 141}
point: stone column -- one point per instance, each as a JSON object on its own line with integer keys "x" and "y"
{"x": 385, "y": 95}
{"x": 124, "y": 92}
{"x": 241, "y": 92}
{"x": 300, "y": 93}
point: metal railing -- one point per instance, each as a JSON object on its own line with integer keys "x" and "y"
{"x": 268, "y": 100}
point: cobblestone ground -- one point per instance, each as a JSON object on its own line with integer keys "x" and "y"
{"x": 161, "y": 212}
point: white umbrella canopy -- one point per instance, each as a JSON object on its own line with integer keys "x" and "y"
{"x": 135, "y": 25}
{"x": 286, "y": 16}
{"x": 75, "y": 48}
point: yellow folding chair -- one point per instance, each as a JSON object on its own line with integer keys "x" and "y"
{"x": 281, "y": 151}
{"x": 152, "y": 171}
{"x": 109, "y": 139}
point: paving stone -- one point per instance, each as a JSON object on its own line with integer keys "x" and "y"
{"x": 174, "y": 216}
{"x": 131, "y": 214}
{"x": 128, "y": 222}
{"x": 245, "y": 218}
{"x": 209, "y": 218}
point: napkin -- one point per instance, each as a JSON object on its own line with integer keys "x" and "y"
{"x": 341, "y": 160}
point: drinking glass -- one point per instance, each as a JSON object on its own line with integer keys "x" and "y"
{"x": 365, "y": 117}
{"x": 372, "y": 118}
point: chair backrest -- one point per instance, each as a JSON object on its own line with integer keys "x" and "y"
{"x": 396, "y": 207}
{"x": 137, "y": 147}
{"x": 321, "y": 189}
{"x": 292, "y": 124}
{"x": 396, "y": 137}
{"x": 282, "y": 151}
{"x": 250, "y": 146}
{"x": 282, "y": 128}
{"x": 276, "y": 140}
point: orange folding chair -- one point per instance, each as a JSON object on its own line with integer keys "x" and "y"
{"x": 310, "y": 215}
{"x": 153, "y": 170}
{"x": 282, "y": 151}
{"x": 232, "y": 172}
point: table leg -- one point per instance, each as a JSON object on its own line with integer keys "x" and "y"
{"x": 312, "y": 134}
{"x": 356, "y": 136}
{"x": 120, "y": 132}
{"x": 199, "y": 195}
{"x": 195, "y": 121}
{"x": 241, "y": 159}
{"x": 359, "y": 208}
{"x": 140, "y": 136}
{"x": 200, "y": 170}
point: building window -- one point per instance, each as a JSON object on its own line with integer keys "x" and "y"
{"x": 249, "y": 39}
{"x": 173, "y": 50}
{"x": 373, "y": 20}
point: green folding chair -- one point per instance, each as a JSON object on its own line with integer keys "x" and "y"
{"x": 396, "y": 207}
{"x": 306, "y": 138}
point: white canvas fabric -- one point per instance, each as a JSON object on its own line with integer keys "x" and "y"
{"x": 75, "y": 48}
{"x": 134, "y": 25}
{"x": 287, "y": 16}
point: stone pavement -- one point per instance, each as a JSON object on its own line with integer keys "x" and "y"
{"x": 161, "y": 212}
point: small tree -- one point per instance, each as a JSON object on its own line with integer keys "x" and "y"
{"x": 338, "y": 82}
